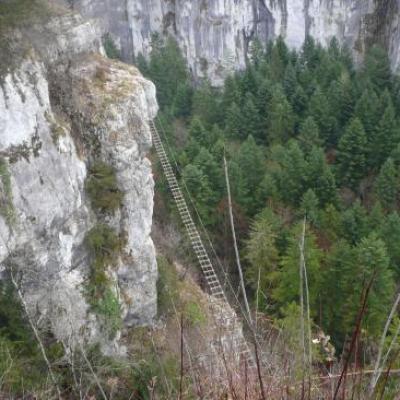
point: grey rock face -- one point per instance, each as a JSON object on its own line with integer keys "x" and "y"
{"x": 215, "y": 34}
{"x": 64, "y": 95}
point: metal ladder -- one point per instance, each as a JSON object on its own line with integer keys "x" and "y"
{"x": 230, "y": 324}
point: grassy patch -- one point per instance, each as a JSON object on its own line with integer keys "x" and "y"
{"x": 6, "y": 198}
{"x": 167, "y": 286}
{"x": 18, "y": 14}
{"x": 108, "y": 308}
{"x": 105, "y": 247}
{"x": 194, "y": 314}
{"x": 102, "y": 188}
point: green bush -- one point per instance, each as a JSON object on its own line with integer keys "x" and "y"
{"x": 193, "y": 313}
{"x": 102, "y": 188}
{"x": 105, "y": 246}
{"x": 6, "y": 199}
{"x": 22, "y": 367}
{"x": 110, "y": 48}
{"x": 109, "y": 309}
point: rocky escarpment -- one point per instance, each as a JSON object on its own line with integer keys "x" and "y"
{"x": 215, "y": 35}
{"x": 63, "y": 106}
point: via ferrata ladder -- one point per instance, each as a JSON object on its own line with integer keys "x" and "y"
{"x": 232, "y": 336}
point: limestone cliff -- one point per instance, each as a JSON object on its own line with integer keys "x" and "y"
{"x": 62, "y": 105}
{"x": 215, "y": 35}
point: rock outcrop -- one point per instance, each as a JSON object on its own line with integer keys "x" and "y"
{"x": 61, "y": 106}
{"x": 215, "y": 35}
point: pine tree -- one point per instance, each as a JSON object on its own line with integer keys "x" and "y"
{"x": 251, "y": 161}
{"x": 231, "y": 93}
{"x": 355, "y": 223}
{"x": 287, "y": 280}
{"x": 199, "y": 187}
{"x": 205, "y": 104}
{"x": 183, "y": 100}
{"x": 320, "y": 177}
{"x": 386, "y": 137}
{"x": 252, "y": 125}
{"x": 320, "y": 111}
{"x": 372, "y": 262}
{"x": 142, "y": 64}
{"x": 299, "y": 101}
{"x": 309, "y": 135}
{"x": 337, "y": 289}
{"x": 198, "y": 132}
{"x": 277, "y": 65}
{"x": 352, "y": 154}
{"x": 309, "y": 206}
{"x": 367, "y": 112}
{"x": 290, "y": 81}
{"x": 249, "y": 81}
{"x": 167, "y": 68}
{"x": 377, "y": 67}
{"x": 262, "y": 254}
{"x": 234, "y": 122}
{"x": 290, "y": 173}
{"x": 387, "y": 185}
{"x": 280, "y": 117}
{"x": 311, "y": 53}
{"x": 390, "y": 233}
{"x": 206, "y": 163}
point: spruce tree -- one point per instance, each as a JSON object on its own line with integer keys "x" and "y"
{"x": 290, "y": 81}
{"x": 198, "y": 132}
{"x": 251, "y": 161}
{"x": 280, "y": 117}
{"x": 352, "y": 155}
{"x": 183, "y": 100}
{"x": 355, "y": 223}
{"x": 234, "y": 124}
{"x": 390, "y": 233}
{"x": 309, "y": 135}
{"x": 206, "y": 163}
{"x": 367, "y": 112}
{"x": 262, "y": 254}
{"x": 231, "y": 93}
{"x": 320, "y": 111}
{"x": 287, "y": 280}
{"x": 309, "y": 206}
{"x": 372, "y": 262}
{"x": 377, "y": 67}
{"x": 252, "y": 124}
{"x": 199, "y": 187}
{"x": 290, "y": 171}
{"x": 205, "y": 104}
{"x": 386, "y": 137}
{"x": 320, "y": 177}
{"x": 299, "y": 101}
{"x": 387, "y": 185}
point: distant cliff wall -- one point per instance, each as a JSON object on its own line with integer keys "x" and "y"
{"x": 214, "y": 35}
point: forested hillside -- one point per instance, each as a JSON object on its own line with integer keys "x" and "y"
{"x": 308, "y": 137}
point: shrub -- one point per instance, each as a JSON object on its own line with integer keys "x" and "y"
{"x": 105, "y": 246}
{"x": 110, "y": 48}
{"x": 6, "y": 200}
{"x": 102, "y": 188}
{"x": 193, "y": 313}
{"x": 109, "y": 309}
